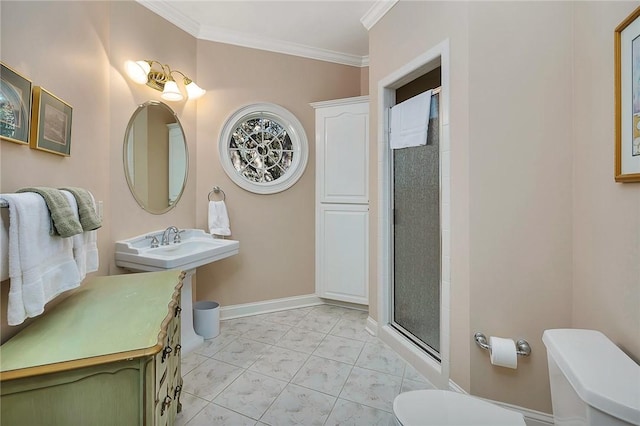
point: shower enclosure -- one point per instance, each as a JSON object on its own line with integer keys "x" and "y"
{"x": 417, "y": 240}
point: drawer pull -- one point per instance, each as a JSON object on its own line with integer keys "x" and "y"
{"x": 178, "y": 348}
{"x": 165, "y": 404}
{"x": 178, "y": 311}
{"x": 176, "y": 392}
{"x": 167, "y": 350}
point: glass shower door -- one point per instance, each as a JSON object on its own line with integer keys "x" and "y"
{"x": 416, "y": 239}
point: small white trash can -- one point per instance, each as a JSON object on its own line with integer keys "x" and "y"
{"x": 206, "y": 319}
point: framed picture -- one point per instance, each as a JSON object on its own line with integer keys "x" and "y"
{"x": 15, "y": 106}
{"x": 627, "y": 88}
{"x": 50, "y": 123}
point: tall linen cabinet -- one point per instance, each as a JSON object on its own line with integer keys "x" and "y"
{"x": 342, "y": 199}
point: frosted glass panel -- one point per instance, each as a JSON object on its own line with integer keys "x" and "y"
{"x": 416, "y": 187}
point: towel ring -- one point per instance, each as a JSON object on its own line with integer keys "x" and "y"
{"x": 216, "y": 190}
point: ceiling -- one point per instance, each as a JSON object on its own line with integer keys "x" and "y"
{"x": 330, "y": 30}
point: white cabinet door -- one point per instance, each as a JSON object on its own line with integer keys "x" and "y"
{"x": 342, "y": 199}
{"x": 342, "y": 252}
{"x": 342, "y": 153}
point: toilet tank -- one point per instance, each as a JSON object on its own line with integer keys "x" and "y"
{"x": 592, "y": 381}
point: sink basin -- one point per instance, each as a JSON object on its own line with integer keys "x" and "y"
{"x": 196, "y": 249}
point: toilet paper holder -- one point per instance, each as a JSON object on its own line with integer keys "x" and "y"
{"x": 522, "y": 346}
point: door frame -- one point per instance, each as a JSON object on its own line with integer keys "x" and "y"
{"x": 434, "y": 371}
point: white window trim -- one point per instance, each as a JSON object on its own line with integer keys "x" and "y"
{"x": 296, "y": 133}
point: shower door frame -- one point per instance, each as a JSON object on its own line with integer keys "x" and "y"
{"x": 436, "y": 371}
{"x": 425, "y": 346}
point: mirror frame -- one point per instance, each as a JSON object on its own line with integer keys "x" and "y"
{"x": 125, "y": 146}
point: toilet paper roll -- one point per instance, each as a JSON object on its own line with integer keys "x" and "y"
{"x": 503, "y": 352}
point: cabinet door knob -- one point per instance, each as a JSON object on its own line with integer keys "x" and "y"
{"x": 178, "y": 311}
{"x": 178, "y": 348}
{"x": 176, "y": 392}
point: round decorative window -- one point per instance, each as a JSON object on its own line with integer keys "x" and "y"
{"x": 263, "y": 148}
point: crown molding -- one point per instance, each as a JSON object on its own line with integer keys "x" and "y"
{"x": 279, "y": 46}
{"x": 377, "y": 11}
{"x": 173, "y": 15}
{"x": 221, "y": 35}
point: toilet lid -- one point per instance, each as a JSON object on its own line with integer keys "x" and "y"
{"x": 438, "y": 407}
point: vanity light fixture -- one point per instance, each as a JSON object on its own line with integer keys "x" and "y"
{"x": 143, "y": 72}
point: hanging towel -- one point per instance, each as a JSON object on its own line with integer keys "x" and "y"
{"x": 86, "y": 208}
{"x": 4, "y": 245}
{"x": 41, "y": 266}
{"x": 65, "y": 223}
{"x": 218, "y": 219}
{"x": 85, "y": 248}
{"x": 410, "y": 121}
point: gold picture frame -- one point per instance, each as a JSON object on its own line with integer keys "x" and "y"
{"x": 15, "y": 106}
{"x": 627, "y": 95}
{"x": 50, "y": 123}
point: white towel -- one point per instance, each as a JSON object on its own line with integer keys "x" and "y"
{"x": 218, "y": 219}
{"x": 4, "y": 245}
{"x": 410, "y": 121}
{"x": 85, "y": 249}
{"x": 41, "y": 266}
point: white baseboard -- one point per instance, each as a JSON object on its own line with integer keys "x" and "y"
{"x": 345, "y": 304}
{"x": 267, "y": 306}
{"x": 275, "y": 305}
{"x": 372, "y": 326}
{"x": 536, "y": 418}
{"x": 531, "y": 417}
{"x": 453, "y": 386}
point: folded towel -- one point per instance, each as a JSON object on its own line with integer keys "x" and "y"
{"x": 65, "y": 223}
{"x": 85, "y": 248}
{"x": 410, "y": 121}
{"x": 41, "y": 266}
{"x": 218, "y": 219}
{"x": 86, "y": 208}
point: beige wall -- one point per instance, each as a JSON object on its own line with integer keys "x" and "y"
{"x": 77, "y": 51}
{"x": 276, "y": 232}
{"x": 606, "y": 215}
{"x": 542, "y": 237}
{"x": 66, "y": 51}
{"x": 520, "y": 190}
{"x": 136, "y": 33}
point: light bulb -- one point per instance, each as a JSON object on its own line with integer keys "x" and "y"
{"x": 194, "y": 91}
{"x": 171, "y": 92}
{"x": 137, "y": 70}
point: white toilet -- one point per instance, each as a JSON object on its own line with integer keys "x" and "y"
{"x": 592, "y": 381}
{"x": 440, "y": 407}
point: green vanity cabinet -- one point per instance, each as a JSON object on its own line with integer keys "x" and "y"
{"x": 109, "y": 354}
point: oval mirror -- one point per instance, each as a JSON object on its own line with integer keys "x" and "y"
{"x": 155, "y": 157}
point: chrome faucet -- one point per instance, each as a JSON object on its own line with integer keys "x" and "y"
{"x": 167, "y": 233}
{"x": 154, "y": 240}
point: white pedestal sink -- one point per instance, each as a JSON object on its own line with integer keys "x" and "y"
{"x": 196, "y": 249}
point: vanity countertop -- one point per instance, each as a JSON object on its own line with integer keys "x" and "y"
{"x": 87, "y": 327}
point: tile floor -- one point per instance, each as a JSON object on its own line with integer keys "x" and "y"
{"x": 308, "y": 366}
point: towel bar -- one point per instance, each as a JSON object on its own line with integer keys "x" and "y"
{"x": 217, "y": 190}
